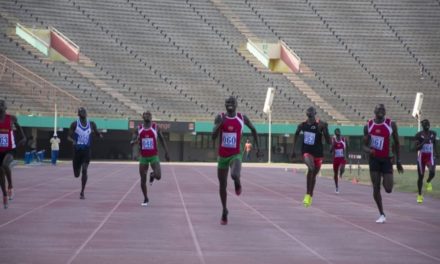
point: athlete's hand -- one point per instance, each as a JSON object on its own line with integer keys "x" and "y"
{"x": 399, "y": 167}
{"x": 372, "y": 153}
{"x": 167, "y": 157}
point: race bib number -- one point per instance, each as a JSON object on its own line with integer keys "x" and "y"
{"x": 339, "y": 153}
{"x": 82, "y": 140}
{"x": 377, "y": 142}
{"x": 4, "y": 140}
{"x": 309, "y": 138}
{"x": 427, "y": 148}
{"x": 229, "y": 140}
{"x": 147, "y": 144}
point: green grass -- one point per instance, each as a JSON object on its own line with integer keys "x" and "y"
{"x": 406, "y": 182}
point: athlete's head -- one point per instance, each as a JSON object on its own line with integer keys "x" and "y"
{"x": 379, "y": 111}
{"x": 311, "y": 112}
{"x": 82, "y": 113}
{"x": 147, "y": 116}
{"x": 425, "y": 124}
{"x": 2, "y": 107}
{"x": 337, "y": 132}
{"x": 231, "y": 104}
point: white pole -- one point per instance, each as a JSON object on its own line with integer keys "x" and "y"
{"x": 419, "y": 118}
{"x": 270, "y": 137}
{"x": 55, "y": 120}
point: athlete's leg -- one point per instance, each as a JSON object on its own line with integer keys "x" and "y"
{"x": 335, "y": 173}
{"x": 143, "y": 168}
{"x": 388, "y": 182}
{"x": 84, "y": 170}
{"x": 157, "y": 174}
{"x": 6, "y": 164}
{"x": 76, "y": 163}
{"x": 310, "y": 163}
{"x": 3, "y": 187}
{"x": 431, "y": 168}
{"x": 317, "y": 163}
{"x": 341, "y": 169}
{"x": 235, "y": 174}
{"x": 222, "y": 175}
{"x": 375, "y": 180}
{"x": 421, "y": 175}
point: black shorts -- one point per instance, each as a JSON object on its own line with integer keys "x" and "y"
{"x": 383, "y": 165}
{"x": 80, "y": 157}
{"x": 4, "y": 153}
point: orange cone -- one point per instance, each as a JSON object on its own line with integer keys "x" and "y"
{"x": 354, "y": 181}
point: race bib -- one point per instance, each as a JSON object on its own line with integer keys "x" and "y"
{"x": 309, "y": 138}
{"x": 4, "y": 140}
{"x": 229, "y": 140}
{"x": 82, "y": 140}
{"x": 339, "y": 153}
{"x": 377, "y": 142}
{"x": 147, "y": 144}
{"x": 427, "y": 148}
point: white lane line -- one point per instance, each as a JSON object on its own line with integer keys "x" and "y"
{"x": 188, "y": 219}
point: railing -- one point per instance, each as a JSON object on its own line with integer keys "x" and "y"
{"x": 38, "y": 89}
{"x": 65, "y": 38}
{"x": 32, "y": 39}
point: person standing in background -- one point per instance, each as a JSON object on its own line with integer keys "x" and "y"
{"x": 55, "y": 148}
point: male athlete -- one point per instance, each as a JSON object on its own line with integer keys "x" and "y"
{"x": 80, "y": 135}
{"x": 7, "y": 149}
{"x": 427, "y": 154}
{"x": 229, "y": 127}
{"x": 380, "y": 140}
{"x": 311, "y": 148}
{"x": 147, "y": 135}
{"x": 339, "y": 151}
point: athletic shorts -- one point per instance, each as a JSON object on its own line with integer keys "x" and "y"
{"x": 149, "y": 160}
{"x": 4, "y": 153}
{"x": 317, "y": 161}
{"x": 225, "y": 162}
{"x": 80, "y": 157}
{"x": 383, "y": 165}
{"x": 337, "y": 163}
{"x": 425, "y": 160}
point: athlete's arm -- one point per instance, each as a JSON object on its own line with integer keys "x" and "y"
{"x": 295, "y": 138}
{"x": 217, "y": 125}
{"x": 419, "y": 141}
{"x": 396, "y": 148}
{"x": 366, "y": 145}
{"x": 326, "y": 133}
{"x": 71, "y": 132}
{"x": 135, "y": 141}
{"x": 20, "y": 130}
{"x": 95, "y": 129}
{"x": 249, "y": 124}
{"x": 434, "y": 145}
{"x": 164, "y": 144}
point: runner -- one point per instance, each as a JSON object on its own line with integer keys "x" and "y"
{"x": 339, "y": 151}
{"x": 312, "y": 149}
{"x": 7, "y": 149}
{"x": 380, "y": 140}
{"x": 80, "y": 135}
{"x": 427, "y": 154}
{"x": 147, "y": 135}
{"x": 229, "y": 127}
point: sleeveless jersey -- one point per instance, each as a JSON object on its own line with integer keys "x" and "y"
{"x": 148, "y": 140}
{"x": 82, "y": 135}
{"x": 380, "y": 135}
{"x": 312, "y": 142}
{"x": 427, "y": 150}
{"x": 7, "y": 141}
{"x": 338, "y": 148}
{"x": 230, "y": 135}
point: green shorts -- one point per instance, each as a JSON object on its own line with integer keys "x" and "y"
{"x": 148, "y": 160}
{"x": 225, "y": 162}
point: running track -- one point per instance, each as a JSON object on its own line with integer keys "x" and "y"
{"x": 48, "y": 223}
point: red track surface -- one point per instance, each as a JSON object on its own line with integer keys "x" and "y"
{"x": 48, "y": 223}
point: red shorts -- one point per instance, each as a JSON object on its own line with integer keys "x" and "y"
{"x": 425, "y": 159}
{"x": 337, "y": 163}
{"x": 317, "y": 161}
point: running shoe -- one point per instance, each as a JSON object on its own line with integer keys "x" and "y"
{"x": 420, "y": 199}
{"x": 237, "y": 186}
{"x": 429, "y": 187}
{"x": 307, "y": 200}
{"x": 81, "y": 196}
{"x": 337, "y": 190}
{"x": 151, "y": 178}
{"x": 224, "y": 220}
{"x": 381, "y": 220}
{"x": 11, "y": 194}
{"x": 145, "y": 203}
{"x": 5, "y": 202}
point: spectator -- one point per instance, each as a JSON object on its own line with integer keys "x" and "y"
{"x": 247, "y": 150}
{"x": 55, "y": 147}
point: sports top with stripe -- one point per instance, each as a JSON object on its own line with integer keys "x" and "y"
{"x": 380, "y": 134}
{"x": 426, "y": 153}
{"x": 7, "y": 141}
{"x": 338, "y": 148}
{"x": 82, "y": 135}
{"x": 148, "y": 140}
{"x": 230, "y": 135}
